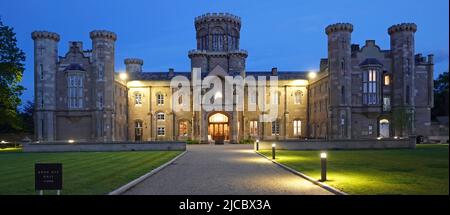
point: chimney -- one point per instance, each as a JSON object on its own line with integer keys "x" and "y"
{"x": 171, "y": 72}
{"x": 274, "y": 71}
{"x": 431, "y": 59}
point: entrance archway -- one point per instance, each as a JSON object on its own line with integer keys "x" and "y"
{"x": 219, "y": 127}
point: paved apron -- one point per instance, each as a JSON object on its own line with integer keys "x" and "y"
{"x": 224, "y": 169}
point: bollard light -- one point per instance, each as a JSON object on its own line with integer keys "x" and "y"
{"x": 257, "y": 145}
{"x": 71, "y": 141}
{"x": 273, "y": 150}
{"x": 323, "y": 164}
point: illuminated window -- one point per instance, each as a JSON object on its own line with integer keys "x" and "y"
{"x": 387, "y": 80}
{"x": 276, "y": 127}
{"x": 218, "y": 117}
{"x": 254, "y": 128}
{"x": 386, "y": 103}
{"x": 297, "y": 128}
{"x": 370, "y": 79}
{"x": 138, "y": 99}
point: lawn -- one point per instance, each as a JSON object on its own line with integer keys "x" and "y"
{"x": 83, "y": 172}
{"x": 419, "y": 171}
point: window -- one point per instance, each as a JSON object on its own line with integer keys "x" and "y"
{"x": 161, "y": 131}
{"x": 159, "y": 99}
{"x": 343, "y": 65}
{"x": 254, "y": 128}
{"x": 160, "y": 116}
{"x": 100, "y": 72}
{"x": 386, "y": 103}
{"x": 275, "y": 98}
{"x": 183, "y": 128}
{"x": 297, "y": 128}
{"x": 370, "y": 130}
{"x": 100, "y": 100}
{"x": 75, "y": 91}
{"x": 276, "y": 127}
{"x": 138, "y": 99}
{"x": 298, "y": 97}
{"x": 387, "y": 80}
{"x": 408, "y": 99}
{"x": 370, "y": 87}
{"x": 138, "y": 130}
{"x": 41, "y": 71}
{"x": 342, "y": 94}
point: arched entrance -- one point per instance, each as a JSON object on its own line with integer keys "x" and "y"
{"x": 219, "y": 127}
{"x": 384, "y": 128}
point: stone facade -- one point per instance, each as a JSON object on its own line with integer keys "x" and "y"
{"x": 359, "y": 93}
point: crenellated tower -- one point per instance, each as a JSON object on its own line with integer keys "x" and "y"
{"x": 218, "y": 36}
{"x": 45, "y": 67}
{"x": 402, "y": 53}
{"x": 133, "y": 65}
{"x": 103, "y": 48}
{"x": 339, "y": 67}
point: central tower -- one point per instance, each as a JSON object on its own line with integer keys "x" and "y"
{"x": 218, "y": 37}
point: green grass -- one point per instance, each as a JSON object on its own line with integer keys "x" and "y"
{"x": 419, "y": 171}
{"x": 10, "y": 150}
{"x": 83, "y": 172}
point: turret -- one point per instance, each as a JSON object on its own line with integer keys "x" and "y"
{"x": 402, "y": 52}
{"x": 103, "y": 48}
{"x": 133, "y": 65}
{"x": 339, "y": 67}
{"x": 218, "y": 36}
{"x": 45, "y": 63}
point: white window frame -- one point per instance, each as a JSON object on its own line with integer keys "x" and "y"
{"x": 161, "y": 131}
{"x": 370, "y": 87}
{"x": 254, "y": 128}
{"x": 138, "y": 99}
{"x": 160, "y": 116}
{"x": 276, "y": 128}
{"x": 159, "y": 99}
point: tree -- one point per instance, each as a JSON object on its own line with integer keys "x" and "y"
{"x": 440, "y": 96}
{"x": 402, "y": 119}
{"x": 11, "y": 72}
{"x": 27, "y": 117}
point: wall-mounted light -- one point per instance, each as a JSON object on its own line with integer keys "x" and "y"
{"x": 123, "y": 76}
{"x": 312, "y": 75}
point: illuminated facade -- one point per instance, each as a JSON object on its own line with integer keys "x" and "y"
{"x": 359, "y": 92}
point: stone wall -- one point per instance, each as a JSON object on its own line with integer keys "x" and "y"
{"x": 104, "y": 147}
{"x": 341, "y": 144}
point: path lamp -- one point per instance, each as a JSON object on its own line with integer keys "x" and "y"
{"x": 323, "y": 165}
{"x": 257, "y": 145}
{"x": 273, "y": 150}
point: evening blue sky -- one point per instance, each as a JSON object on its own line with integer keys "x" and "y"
{"x": 285, "y": 34}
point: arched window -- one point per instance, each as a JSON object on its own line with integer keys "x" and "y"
{"x": 218, "y": 117}
{"x": 138, "y": 99}
{"x": 384, "y": 128}
{"x": 159, "y": 99}
{"x": 298, "y": 97}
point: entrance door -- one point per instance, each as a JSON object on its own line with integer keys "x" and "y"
{"x": 384, "y": 128}
{"x": 218, "y": 127}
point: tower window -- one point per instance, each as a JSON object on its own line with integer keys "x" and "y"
{"x": 41, "y": 71}
{"x": 342, "y": 94}
{"x": 387, "y": 80}
{"x": 100, "y": 100}
{"x": 408, "y": 95}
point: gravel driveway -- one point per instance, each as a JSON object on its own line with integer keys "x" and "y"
{"x": 222, "y": 170}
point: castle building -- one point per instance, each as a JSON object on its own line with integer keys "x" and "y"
{"x": 359, "y": 92}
